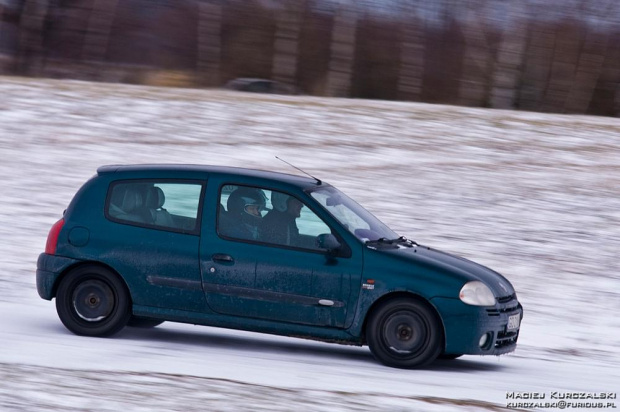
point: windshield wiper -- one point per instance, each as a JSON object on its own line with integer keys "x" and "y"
{"x": 386, "y": 241}
{"x": 408, "y": 242}
{"x": 381, "y": 240}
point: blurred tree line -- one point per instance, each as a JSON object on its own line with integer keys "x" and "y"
{"x": 552, "y": 56}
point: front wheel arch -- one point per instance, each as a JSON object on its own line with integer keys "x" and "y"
{"x": 396, "y": 295}
{"x": 399, "y": 296}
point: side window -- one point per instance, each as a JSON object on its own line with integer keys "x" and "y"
{"x": 172, "y": 206}
{"x": 266, "y": 216}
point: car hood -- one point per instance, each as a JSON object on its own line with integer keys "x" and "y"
{"x": 424, "y": 255}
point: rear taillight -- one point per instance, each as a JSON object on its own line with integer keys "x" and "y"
{"x": 52, "y": 237}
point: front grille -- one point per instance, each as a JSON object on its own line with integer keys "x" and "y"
{"x": 496, "y": 312}
{"x": 493, "y": 312}
{"x": 509, "y": 303}
{"x": 505, "y": 299}
{"x": 510, "y": 309}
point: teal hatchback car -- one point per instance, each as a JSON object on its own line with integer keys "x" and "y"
{"x": 266, "y": 252}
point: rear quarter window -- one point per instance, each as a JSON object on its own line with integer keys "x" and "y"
{"x": 164, "y": 205}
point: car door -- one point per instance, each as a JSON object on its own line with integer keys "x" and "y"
{"x": 284, "y": 279}
{"x": 152, "y": 237}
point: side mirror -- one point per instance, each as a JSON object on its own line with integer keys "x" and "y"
{"x": 328, "y": 242}
{"x": 333, "y": 201}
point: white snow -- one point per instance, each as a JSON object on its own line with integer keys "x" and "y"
{"x": 533, "y": 196}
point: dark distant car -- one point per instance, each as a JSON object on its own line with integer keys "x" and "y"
{"x": 266, "y": 252}
{"x": 254, "y": 85}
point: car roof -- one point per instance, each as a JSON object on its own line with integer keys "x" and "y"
{"x": 296, "y": 180}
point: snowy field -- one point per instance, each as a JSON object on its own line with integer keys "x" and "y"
{"x": 534, "y": 196}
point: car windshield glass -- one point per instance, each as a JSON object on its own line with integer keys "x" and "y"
{"x": 351, "y": 215}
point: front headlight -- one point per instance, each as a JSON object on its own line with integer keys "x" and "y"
{"x": 477, "y": 293}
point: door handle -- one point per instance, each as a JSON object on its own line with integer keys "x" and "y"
{"x": 223, "y": 258}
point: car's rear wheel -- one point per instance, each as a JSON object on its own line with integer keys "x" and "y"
{"x": 404, "y": 333}
{"x": 93, "y": 301}
{"x": 139, "y": 322}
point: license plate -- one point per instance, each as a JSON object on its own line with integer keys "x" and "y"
{"x": 513, "y": 321}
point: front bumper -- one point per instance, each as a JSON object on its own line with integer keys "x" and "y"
{"x": 465, "y": 324}
{"x": 49, "y": 268}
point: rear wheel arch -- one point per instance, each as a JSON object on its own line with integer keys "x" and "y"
{"x": 92, "y": 263}
{"x": 93, "y": 300}
{"x": 134, "y": 321}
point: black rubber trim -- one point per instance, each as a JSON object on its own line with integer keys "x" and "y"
{"x": 267, "y": 295}
{"x": 175, "y": 283}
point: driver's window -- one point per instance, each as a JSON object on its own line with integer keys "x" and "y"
{"x": 310, "y": 224}
{"x": 266, "y": 216}
{"x": 348, "y": 217}
{"x": 290, "y": 222}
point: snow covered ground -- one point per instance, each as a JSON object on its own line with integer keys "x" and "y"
{"x": 531, "y": 195}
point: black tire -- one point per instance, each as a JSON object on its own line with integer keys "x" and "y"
{"x": 93, "y": 301}
{"x": 450, "y": 356}
{"x": 138, "y": 322}
{"x": 404, "y": 333}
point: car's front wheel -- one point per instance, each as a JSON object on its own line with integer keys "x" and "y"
{"x": 404, "y": 333}
{"x": 93, "y": 301}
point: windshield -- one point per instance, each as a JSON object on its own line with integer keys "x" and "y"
{"x": 352, "y": 216}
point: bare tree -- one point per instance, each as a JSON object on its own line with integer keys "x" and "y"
{"x": 477, "y": 62}
{"x": 286, "y": 45}
{"x": 563, "y": 67}
{"x": 342, "y": 50}
{"x": 99, "y": 30}
{"x": 31, "y": 35}
{"x": 537, "y": 64}
{"x": 611, "y": 74}
{"x": 508, "y": 66}
{"x": 209, "y": 42}
{"x": 412, "y": 46}
{"x": 589, "y": 69}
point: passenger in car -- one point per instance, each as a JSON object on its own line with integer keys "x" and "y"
{"x": 127, "y": 204}
{"x": 155, "y": 200}
{"x": 279, "y": 225}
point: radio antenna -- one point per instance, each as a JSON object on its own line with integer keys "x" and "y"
{"x": 318, "y": 181}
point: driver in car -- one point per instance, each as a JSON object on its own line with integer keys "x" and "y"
{"x": 245, "y": 206}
